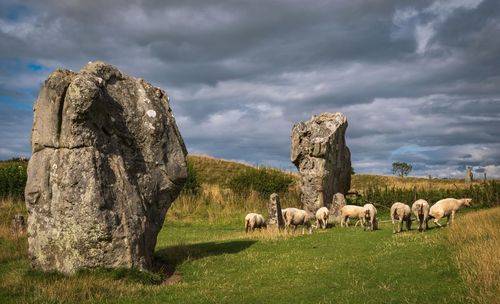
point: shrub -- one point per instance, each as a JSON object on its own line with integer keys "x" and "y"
{"x": 483, "y": 195}
{"x": 192, "y": 185}
{"x": 264, "y": 181}
{"x": 13, "y": 179}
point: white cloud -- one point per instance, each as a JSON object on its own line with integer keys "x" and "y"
{"x": 425, "y": 21}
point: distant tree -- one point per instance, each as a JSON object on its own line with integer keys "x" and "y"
{"x": 401, "y": 168}
{"x": 352, "y": 171}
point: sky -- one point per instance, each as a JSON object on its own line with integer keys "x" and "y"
{"x": 419, "y": 81}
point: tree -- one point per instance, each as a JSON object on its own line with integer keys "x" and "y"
{"x": 401, "y": 168}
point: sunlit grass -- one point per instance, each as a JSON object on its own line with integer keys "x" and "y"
{"x": 475, "y": 239}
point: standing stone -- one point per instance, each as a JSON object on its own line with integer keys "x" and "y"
{"x": 275, "y": 216}
{"x": 323, "y": 159}
{"x": 107, "y": 162}
{"x": 469, "y": 176}
{"x": 338, "y": 202}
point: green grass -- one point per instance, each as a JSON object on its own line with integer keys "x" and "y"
{"x": 220, "y": 264}
{"x": 338, "y": 265}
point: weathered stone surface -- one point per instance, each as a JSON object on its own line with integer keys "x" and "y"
{"x": 337, "y": 203}
{"x": 320, "y": 153}
{"x": 275, "y": 216}
{"x": 108, "y": 161}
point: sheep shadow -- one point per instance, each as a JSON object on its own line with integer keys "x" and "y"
{"x": 166, "y": 260}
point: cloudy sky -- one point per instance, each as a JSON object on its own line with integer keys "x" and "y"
{"x": 418, "y": 80}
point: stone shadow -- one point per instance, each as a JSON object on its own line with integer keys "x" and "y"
{"x": 166, "y": 260}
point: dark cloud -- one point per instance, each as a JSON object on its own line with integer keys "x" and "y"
{"x": 417, "y": 79}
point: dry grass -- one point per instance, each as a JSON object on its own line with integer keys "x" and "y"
{"x": 476, "y": 241}
{"x": 215, "y": 205}
{"x": 13, "y": 246}
{"x": 361, "y": 181}
{"x": 75, "y": 289}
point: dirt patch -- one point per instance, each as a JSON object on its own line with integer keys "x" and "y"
{"x": 173, "y": 279}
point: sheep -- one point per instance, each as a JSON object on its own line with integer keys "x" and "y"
{"x": 294, "y": 217}
{"x": 447, "y": 207}
{"x": 322, "y": 217}
{"x": 254, "y": 221}
{"x": 283, "y": 213}
{"x": 370, "y": 217}
{"x": 351, "y": 211}
{"x": 400, "y": 212}
{"x": 420, "y": 209}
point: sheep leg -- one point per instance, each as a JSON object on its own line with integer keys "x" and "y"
{"x": 393, "y": 225}
{"x": 452, "y": 217}
{"x": 408, "y": 224}
{"x": 436, "y": 222}
{"x": 400, "y": 224}
{"x": 448, "y": 220}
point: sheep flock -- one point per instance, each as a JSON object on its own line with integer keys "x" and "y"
{"x": 400, "y": 215}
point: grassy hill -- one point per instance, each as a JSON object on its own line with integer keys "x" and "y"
{"x": 218, "y": 171}
{"x": 216, "y": 176}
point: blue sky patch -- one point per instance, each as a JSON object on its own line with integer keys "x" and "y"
{"x": 36, "y": 67}
{"x": 14, "y": 12}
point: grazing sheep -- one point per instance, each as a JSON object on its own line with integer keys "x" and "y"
{"x": 370, "y": 216}
{"x": 322, "y": 217}
{"x": 447, "y": 207}
{"x": 254, "y": 221}
{"x": 400, "y": 212}
{"x": 283, "y": 212}
{"x": 420, "y": 209}
{"x": 351, "y": 211}
{"x": 294, "y": 217}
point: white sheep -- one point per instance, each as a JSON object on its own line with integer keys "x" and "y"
{"x": 400, "y": 212}
{"x": 294, "y": 217}
{"x": 447, "y": 207}
{"x": 420, "y": 209}
{"x": 254, "y": 221}
{"x": 370, "y": 217}
{"x": 322, "y": 217}
{"x": 283, "y": 213}
{"x": 351, "y": 211}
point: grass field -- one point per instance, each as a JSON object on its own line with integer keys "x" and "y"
{"x": 219, "y": 263}
{"x": 204, "y": 256}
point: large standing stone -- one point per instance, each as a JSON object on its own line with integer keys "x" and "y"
{"x": 274, "y": 208}
{"x": 321, "y": 155}
{"x": 107, "y": 163}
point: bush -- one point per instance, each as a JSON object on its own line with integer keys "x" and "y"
{"x": 13, "y": 179}
{"x": 483, "y": 195}
{"x": 264, "y": 181}
{"x": 192, "y": 185}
